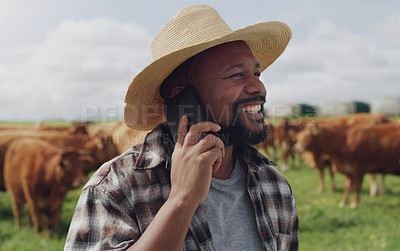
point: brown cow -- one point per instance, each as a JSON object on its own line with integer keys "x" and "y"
{"x": 319, "y": 160}
{"x": 285, "y": 138}
{"x": 101, "y": 148}
{"x": 356, "y": 150}
{"x": 39, "y": 174}
{"x": 76, "y": 128}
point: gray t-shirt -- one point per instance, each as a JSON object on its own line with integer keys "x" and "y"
{"x": 230, "y": 213}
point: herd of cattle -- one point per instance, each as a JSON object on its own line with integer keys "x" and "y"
{"x": 39, "y": 165}
{"x": 352, "y": 145}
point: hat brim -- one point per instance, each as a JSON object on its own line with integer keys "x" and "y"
{"x": 144, "y": 105}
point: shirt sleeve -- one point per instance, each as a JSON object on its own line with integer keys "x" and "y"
{"x": 101, "y": 223}
{"x": 294, "y": 231}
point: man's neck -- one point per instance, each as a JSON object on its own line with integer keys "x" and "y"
{"x": 226, "y": 168}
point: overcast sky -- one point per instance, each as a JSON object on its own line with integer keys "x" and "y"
{"x": 75, "y": 59}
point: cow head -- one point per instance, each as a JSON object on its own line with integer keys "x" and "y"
{"x": 106, "y": 149}
{"x": 71, "y": 164}
{"x": 307, "y": 137}
{"x": 102, "y": 148}
{"x": 79, "y": 128}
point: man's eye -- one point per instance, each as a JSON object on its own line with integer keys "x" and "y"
{"x": 257, "y": 74}
{"x": 236, "y": 75}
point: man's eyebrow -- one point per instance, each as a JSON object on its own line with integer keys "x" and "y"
{"x": 240, "y": 65}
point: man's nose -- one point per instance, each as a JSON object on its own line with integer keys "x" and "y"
{"x": 255, "y": 86}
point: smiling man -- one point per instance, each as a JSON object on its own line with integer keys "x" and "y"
{"x": 200, "y": 193}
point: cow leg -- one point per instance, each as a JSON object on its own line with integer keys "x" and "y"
{"x": 332, "y": 176}
{"x": 28, "y": 219}
{"x": 357, "y": 183}
{"x": 272, "y": 148}
{"x": 321, "y": 185}
{"x": 382, "y": 186}
{"x": 17, "y": 210}
{"x": 292, "y": 157}
{"x": 32, "y": 209}
{"x": 36, "y": 218}
{"x": 52, "y": 220}
{"x": 346, "y": 191}
{"x": 284, "y": 156}
{"x": 372, "y": 187}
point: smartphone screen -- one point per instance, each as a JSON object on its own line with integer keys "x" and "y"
{"x": 187, "y": 103}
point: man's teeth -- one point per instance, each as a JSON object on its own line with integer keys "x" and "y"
{"x": 251, "y": 108}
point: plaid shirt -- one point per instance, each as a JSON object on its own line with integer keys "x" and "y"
{"x": 124, "y": 195}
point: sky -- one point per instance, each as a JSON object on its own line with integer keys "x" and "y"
{"x": 74, "y": 60}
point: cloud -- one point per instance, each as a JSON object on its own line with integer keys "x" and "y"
{"x": 83, "y": 68}
{"x": 337, "y": 64}
{"x": 80, "y": 64}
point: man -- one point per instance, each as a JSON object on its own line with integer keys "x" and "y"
{"x": 199, "y": 193}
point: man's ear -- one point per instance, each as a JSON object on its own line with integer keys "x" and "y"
{"x": 176, "y": 90}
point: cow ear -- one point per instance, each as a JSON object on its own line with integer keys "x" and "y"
{"x": 103, "y": 140}
{"x": 99, "y": 143}
{"x": 310, "y": 123}
{"x": 315, "y": 130}
{"x": 65, "y": 164}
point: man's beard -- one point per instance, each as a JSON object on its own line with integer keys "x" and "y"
{"x": 237, "y": 133}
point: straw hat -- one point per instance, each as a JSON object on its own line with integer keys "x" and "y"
{"x": 192, "y": 30}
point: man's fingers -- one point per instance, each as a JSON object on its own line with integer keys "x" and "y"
{"x": 217, "y": 164}
{"x": 196, "y": 130}
{"x": 209, "y": 142}
{"x": 213, "y": 158}
{"x": 182, "y": 130}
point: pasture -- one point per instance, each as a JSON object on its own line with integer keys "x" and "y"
{"x": 373, "y": 225}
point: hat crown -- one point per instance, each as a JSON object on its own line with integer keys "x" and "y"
{"x": 191, "y": 26}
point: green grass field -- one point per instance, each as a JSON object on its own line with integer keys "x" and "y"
{"x": 373, "y": 225}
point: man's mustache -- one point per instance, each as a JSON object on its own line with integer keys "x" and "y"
{"x": 237, "y": 103}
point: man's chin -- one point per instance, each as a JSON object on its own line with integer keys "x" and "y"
{"x": 239, "y": 134}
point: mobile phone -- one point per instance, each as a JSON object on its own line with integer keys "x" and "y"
{"x": 187, "y": 103}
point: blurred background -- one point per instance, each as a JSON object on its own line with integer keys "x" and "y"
{"x": 65, "y": 62}
{"x": 74, "y": 60}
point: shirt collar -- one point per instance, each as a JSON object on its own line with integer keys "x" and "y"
{"x": 252, "y": 158}
{"x": 156, "y": 149}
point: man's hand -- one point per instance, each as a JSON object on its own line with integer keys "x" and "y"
{"x": 194, "y": 161}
